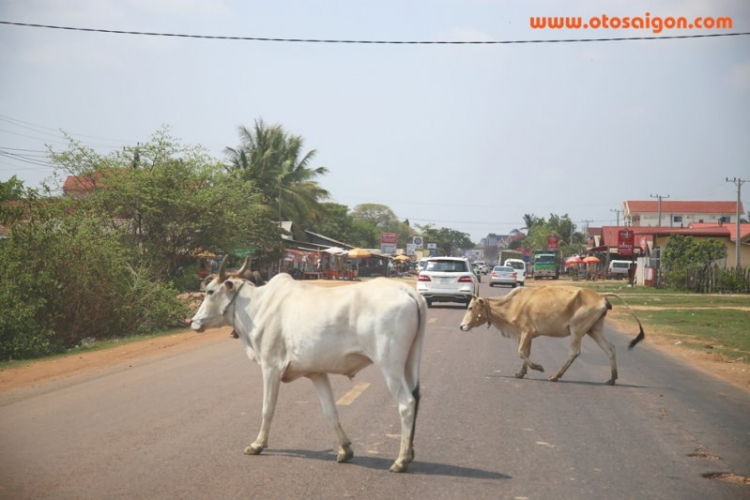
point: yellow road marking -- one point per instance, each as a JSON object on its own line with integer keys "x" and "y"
{"x": 353, "y": 394}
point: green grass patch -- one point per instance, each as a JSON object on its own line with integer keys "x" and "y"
{"x": 724, "y": 331}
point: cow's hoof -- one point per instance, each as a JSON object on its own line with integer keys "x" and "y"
{"x": 554, "y": 378}
{"x": 398, "y": 467}
{"x": 611, "y": 381}
{"x": 345, "y": 455}
{"x": 538, "y": 368}
{"x": 520, "y": 375}
{"x": 254, "y": 449}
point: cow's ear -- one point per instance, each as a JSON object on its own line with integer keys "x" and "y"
{"x": 229, "y": 284}
{"x": 480, "y": 301}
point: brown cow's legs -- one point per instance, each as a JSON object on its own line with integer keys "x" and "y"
{"x": 597, "y": 333}
{"x": 524, "y": 350}
{"x": 573, "y": 353}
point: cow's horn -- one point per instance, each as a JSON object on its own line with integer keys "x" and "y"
{"x": 223, "y": 269}
{"x": 245, "y": 266}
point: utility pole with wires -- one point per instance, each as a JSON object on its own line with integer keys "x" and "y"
{"x": 618, "y": 214}
{"x": 658, "y": 206}
{"x": 737, "y": 182}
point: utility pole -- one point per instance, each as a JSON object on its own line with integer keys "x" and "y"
{"x": 618, "y": 214}
{"x": 658, "y": 205}
{"x": 737, "y": 182}
{"x": 586, "y": 229}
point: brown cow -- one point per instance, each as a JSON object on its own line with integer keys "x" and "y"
{"x": 553, "y": 311}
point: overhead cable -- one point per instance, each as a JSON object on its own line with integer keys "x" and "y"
{"x": 371, "y": 42}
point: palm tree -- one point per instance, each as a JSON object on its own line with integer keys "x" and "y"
{"x": 275, "y": 162}
{"x": 530, "y": 220}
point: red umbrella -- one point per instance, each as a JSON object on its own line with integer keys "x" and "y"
{"x": 572, "y": 261}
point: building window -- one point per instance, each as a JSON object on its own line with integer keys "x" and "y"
{"x": 677, "y": 218}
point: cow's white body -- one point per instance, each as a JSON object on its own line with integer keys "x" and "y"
{"x": 295, "y": 330}
{"x": 553, "y": 311}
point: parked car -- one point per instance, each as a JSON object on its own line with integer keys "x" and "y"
{"x": 619, "y": 268}
{"x": 504, "y": 275}
{"x": 520, "y": 267}
{"x": 447, "y": 279}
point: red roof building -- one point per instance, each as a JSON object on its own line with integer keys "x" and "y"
{"x": 81, "y": 185}
{"x": 648, "y": 237}
{"x": 679, "y": 213}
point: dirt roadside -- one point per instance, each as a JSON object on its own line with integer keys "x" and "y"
{"x": 41, "y": 372}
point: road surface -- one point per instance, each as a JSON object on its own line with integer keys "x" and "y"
{"x": 176, "y": 427}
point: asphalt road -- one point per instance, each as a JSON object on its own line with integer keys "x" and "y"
{"x": 176, "y": 427}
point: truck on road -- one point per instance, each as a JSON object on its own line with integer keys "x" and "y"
{"x": 546, "y": 264}
{"x": 505, "y": 254}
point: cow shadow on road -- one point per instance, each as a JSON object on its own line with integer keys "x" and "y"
{"x": 528, "y": 380}
{"x": 377, "y": 463}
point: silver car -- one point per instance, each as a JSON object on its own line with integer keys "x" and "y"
{"x": 447, "y": 279}
{"x": 504, "y": 275}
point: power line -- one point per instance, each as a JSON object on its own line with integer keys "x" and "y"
{"x": 371, "y": 42}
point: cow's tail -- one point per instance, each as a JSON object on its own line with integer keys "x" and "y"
{"x": 415, "y": 356}
{"x": 641, "y": 335}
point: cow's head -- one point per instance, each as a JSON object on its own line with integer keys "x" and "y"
{"x": 221, "y": 291}
{"x": 476, "y": 314}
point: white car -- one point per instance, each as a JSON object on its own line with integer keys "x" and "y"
{"x": 520, "y": 267}
{"x": 447, "y": 279}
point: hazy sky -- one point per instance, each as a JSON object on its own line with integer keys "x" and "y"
{"x": 469, "y": 137}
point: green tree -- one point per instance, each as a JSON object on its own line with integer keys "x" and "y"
{"x": 165, "y": 200}
{"x": 449, "y": 241}
{"x": 275, "y": 162}
{"x": 684, "y": 256}
{"x": 383, "y": 220}
{"x": 12, "y": 189}
{"x": 531, "y": 220}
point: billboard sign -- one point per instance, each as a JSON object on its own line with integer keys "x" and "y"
{"x": 625, "y": 241}
{"x": 552, "y": 243}
{"x": 389, "y": 238}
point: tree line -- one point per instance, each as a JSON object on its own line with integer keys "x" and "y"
{"x": 111, "y": 259}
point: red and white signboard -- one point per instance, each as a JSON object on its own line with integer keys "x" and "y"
{"x": 389, "y": 238}
{"x": 552, "y": 243}
{"x": 625, "y": 241}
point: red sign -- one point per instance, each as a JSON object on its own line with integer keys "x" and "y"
{"x": 625, "y": 241}
{"x": 552, "y": 243}
{"x": 389, "y": 238}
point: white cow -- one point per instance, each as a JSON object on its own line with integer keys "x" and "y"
{"x": 298, "y": 330}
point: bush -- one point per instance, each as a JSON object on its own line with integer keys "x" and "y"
{"x": 63, "y": 279}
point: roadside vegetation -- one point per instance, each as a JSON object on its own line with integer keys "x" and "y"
{"x": 716, "y": 323}
{"x": 110, "y": 260}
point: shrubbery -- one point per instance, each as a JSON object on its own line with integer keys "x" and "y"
{"x": 102, "y": 264}
{"x": 64, "y": 278}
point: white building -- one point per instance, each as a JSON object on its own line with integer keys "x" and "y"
{"x": 679, "y": 213}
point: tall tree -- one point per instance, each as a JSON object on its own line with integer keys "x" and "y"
{"x": 275, "y": 162}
